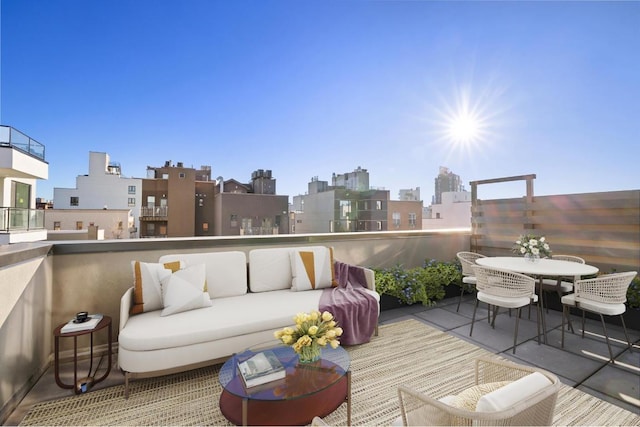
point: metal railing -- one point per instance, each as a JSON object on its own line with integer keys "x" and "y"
{"x": 154, "y": 211}
{"x": 11, "y": 137}
{"x": 14, "y": 219}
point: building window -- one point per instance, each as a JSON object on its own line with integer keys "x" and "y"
{"x": 379, "y": 205}
{"x": 181, "y": 175}
{"x": 132, "y": 189}
{"x": 75, "y": 201}
{"x": 379, "y": 224}
{"x": 437, "y": 215}
{"x": 78, "y": 225}
{"x": 165, "y": 176}
{"x": 56, "y": 225}
{"x": 151, "y": 201}
{"x": 412, "y": 220}
{"x": 234, "y": 220}
{"x": 396, "y": 219}
{"x": 345, "y": 209}
{"x": 151, "y": 229}
{"x": 131, "y": 201}
{"x": 205, "y": 226}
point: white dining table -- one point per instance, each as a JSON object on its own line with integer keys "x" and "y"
{"x": 544, "y": 267}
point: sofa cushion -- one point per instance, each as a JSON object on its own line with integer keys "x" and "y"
{"x": 232, "y": 316}
{"x": 509, "y": 395}
{"x": 226, "y": 272}
{"x": 312, "y": 269}
{"x": 147, "y": 289}
{"x": 270, "y": 268}
{"x": 185, "y": 290}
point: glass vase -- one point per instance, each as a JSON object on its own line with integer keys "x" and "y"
{"x": 532, "y": 257}
{"x": 309, "y": 354}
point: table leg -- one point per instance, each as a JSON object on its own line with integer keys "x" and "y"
{"x": 245, "y": 411}
{"x": 106, "y": 374}
{"x": 56, "y": 364}
{"x": 349, "y": 398}
{"x": 542, "y": 316}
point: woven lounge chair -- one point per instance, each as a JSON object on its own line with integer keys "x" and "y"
{"x": 504, "y": 393}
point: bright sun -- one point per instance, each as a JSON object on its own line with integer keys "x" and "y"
{"x": 464, "y": 128}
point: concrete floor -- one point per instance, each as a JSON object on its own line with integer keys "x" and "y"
{"x": 583, "y": 363}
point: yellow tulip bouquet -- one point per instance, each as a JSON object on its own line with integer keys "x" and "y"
{"x": 311, "y": 332}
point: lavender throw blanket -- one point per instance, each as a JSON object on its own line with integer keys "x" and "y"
{"x": 354, "y": 309}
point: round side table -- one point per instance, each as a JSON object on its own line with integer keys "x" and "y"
{"x": 85, "y": 383}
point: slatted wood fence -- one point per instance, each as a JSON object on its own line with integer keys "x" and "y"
{"x": 603, "y": 228}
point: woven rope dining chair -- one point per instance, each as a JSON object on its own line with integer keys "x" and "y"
{"x": 561, "y": 285}
{"x": 504, "y": 288}
{"x": 520, "y": 395}
{"x": 604, "y": 295}
{"x": 467, "y": 261}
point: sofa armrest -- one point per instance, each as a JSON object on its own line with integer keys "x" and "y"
{"x": 125, "y": 307}
{"x": 370, "y": 276}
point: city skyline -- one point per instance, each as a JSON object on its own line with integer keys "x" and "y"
{"x": 307, "y": 89}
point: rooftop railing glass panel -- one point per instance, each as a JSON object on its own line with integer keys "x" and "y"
{"x": 21, "y": 219}
{"x": 11, "y": 137}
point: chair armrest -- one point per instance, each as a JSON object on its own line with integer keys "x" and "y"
{"x": 125, "y": 307}
{"x": 419, "y": 409}
{"x": 490, "y": 370}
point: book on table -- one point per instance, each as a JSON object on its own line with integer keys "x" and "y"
{"x": 74, "y": 326}
{"x": 261, "y": 368}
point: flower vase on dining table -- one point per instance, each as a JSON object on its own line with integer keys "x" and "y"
{"x": 532, "y": 257}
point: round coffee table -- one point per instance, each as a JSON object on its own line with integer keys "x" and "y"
{"x": 308, "y": 390}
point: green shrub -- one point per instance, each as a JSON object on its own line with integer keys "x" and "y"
{"x": 423, "y": 285}
{"x": 633, "y": 293}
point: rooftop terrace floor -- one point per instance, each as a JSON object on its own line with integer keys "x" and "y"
{"x": 583, "y": 363}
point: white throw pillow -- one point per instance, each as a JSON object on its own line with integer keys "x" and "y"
{"x": 147, "y": 290}
{"x": 507, "y": 396}
{"x": 312, "y": 269}
{"x": 185, "y": 290}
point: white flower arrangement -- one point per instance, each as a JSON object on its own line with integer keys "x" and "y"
{"x": 532, "y": 245}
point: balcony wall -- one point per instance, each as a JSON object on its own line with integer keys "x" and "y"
{"x": 43, "y": 285}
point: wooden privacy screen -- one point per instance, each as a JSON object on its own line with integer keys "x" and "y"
{"x": 603, "y": 228}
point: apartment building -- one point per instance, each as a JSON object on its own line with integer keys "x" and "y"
{"x": 446, "y": 181}
{"x": 103, "y": 188}
{"x": 251, "y": 209}
{"x": 22, "y": 163}
{"x": 334, "y": 209}
{"x": 175, "y": 204}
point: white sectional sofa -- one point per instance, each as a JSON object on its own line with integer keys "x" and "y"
{"x": 242, "y": 313}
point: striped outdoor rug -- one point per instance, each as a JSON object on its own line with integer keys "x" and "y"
{"x": 407, "y": 352}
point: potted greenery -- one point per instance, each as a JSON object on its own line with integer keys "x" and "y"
{"x": 425, "y": 285}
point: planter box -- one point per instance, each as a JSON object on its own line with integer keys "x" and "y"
{"x": 387, "y": 302}
{"x": 452, "y": 291}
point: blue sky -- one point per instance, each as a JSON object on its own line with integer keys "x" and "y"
{"x": 308, "y": 88}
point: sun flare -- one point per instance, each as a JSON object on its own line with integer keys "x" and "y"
{"x": 464, "y": 128}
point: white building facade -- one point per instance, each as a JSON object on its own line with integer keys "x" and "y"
{"x": 22, "y": 163}
{"x": 453, "y": 212}
{"x": 103, "y": 188}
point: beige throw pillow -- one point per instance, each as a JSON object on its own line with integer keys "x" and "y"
{"x": 147, "y": 290}
{"x": 312, "y": 269}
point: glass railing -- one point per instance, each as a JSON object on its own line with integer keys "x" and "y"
{"x": 12, "y": 137}
{"x": 14, "y": 219}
